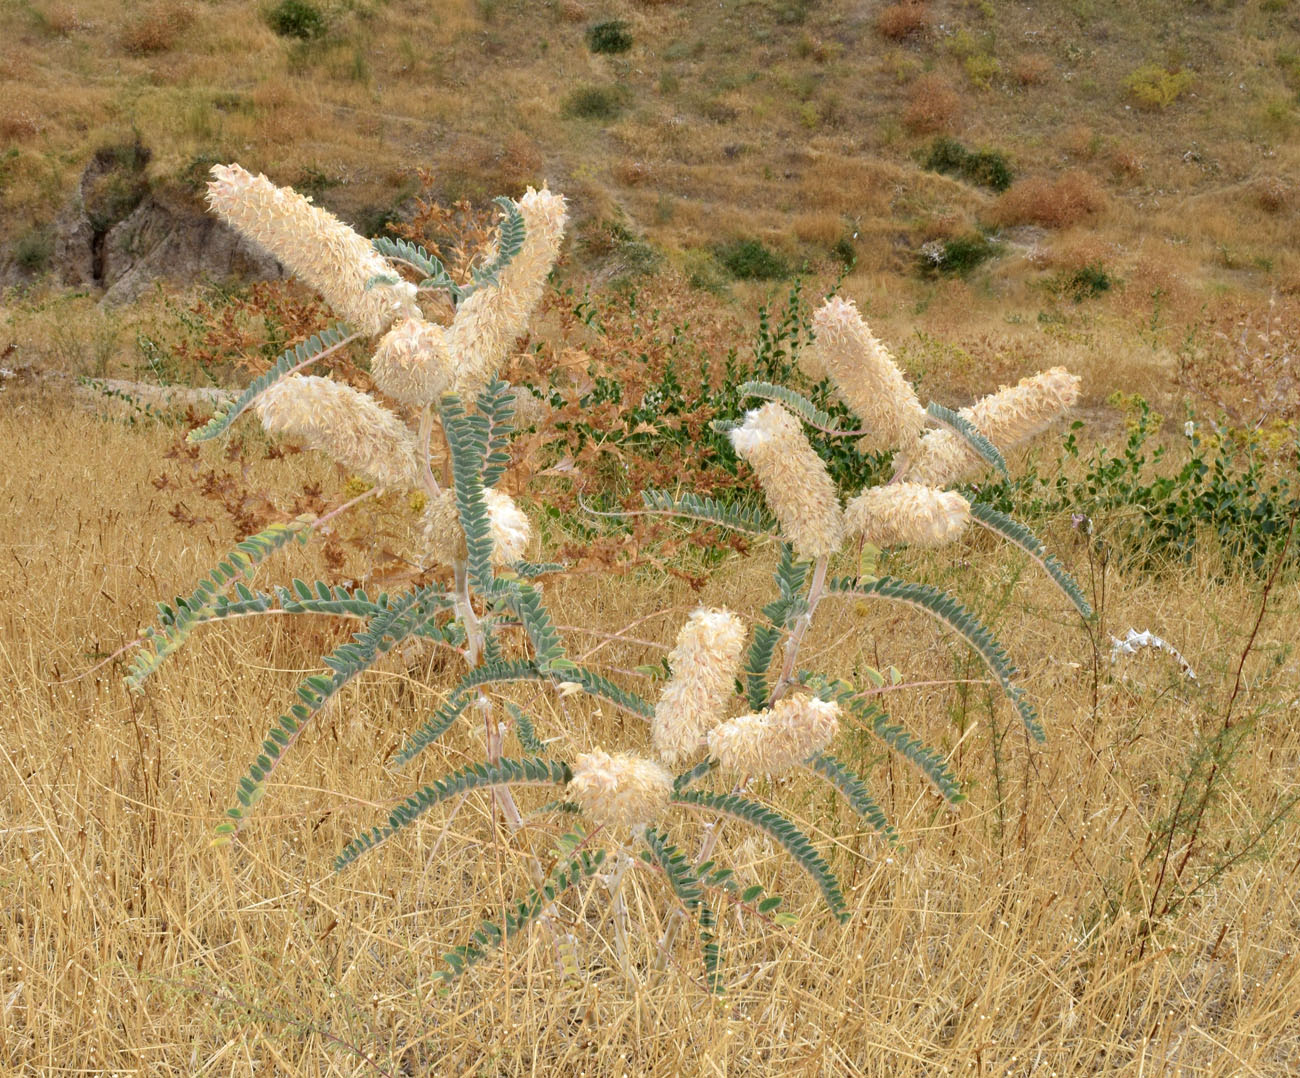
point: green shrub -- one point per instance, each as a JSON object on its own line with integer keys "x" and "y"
{"x": 988, "y": 168}
{"x": 1154, "y": 87}
{"x": 297, "y": 18}
{"x": 594, "y": 102}
{"x": 956, "y": 257}
{"x": 1152, "y": 516}
{"x": 609, "y": 37}
{"x": 34, "y": 248}
{"x": 750, "y": 260}
{"x": 1085, "y": 282}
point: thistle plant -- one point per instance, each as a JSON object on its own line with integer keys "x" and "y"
{"x": 705, "y": 745}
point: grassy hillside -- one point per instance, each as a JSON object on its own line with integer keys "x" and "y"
{"x": 1148, "y": 234}
{"x": 802, "y": 123}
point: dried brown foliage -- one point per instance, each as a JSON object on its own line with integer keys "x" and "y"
{"x": 933, "y": 107}
{"x": 1050, "y": 202}
{"x": 897, "y": 22}
{"x": 155, "y": 29}
{"x": 1031, "y": 69}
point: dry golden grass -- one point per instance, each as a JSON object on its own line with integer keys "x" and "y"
{"x": 1003, "y": 939}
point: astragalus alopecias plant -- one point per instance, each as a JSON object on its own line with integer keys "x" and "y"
{"x": 736, "y": 706}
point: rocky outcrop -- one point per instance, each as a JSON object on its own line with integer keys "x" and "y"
{"x": 120, "y": 234}
{"x": 178, "y": 243}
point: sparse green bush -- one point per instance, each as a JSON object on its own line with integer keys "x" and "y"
{"x": 300, "y": 19}
{"x": 751, "y": 260}
{"x": 956, "y": 257}
{"x": 609, "y": 37}
{"x": 1226, "y": 487}
{"x": 1085, "y": 282}
{"x": 594, "y": 102}
{"x": 989, "y": 168}
{"x": 34, "y": 248}
{"x": 1154, "y": 87}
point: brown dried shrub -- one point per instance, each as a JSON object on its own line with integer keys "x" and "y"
{"x": 898, "y": 22}
{"x": 1273, "y": 194}
{"x": 15, "y": 126}
{"x": 933, "y": 107}
{"x": 631, "y": 173}
{"x": 1050, "y": 202}
{"x": 156, "y": 28}
{"x": 1031, "y": 69}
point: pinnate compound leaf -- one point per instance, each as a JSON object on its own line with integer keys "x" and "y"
{"x": 527, "y": 771}
{"x": 290, "y": 360}
{"x": 796, "y": 843}
{"x": 1014, "y": 532}
{"x": 948, "y": 610}
{"x": 177, "y": 621}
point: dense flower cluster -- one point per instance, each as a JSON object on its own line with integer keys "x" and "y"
{"x": 620, "y": 791}
{"x": 794, "y": 479}
{"x": 355, "y": 429}
{"x": 704, "y": 665}
{"x": 314, "y": 244}
{"x": 489, "y": 320}
{"x": 907, "y": 513}
{"x": 772, "y": 742}
{"x": 1008, "y": 417}
{"x": 444, "y": 539}
{"x": 868, "y": 379}
{"x": 412, "y": 363}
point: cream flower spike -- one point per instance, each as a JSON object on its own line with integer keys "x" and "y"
{"x": 620, "y": 791}
{"x": 868, "y": 378}
{"x": 1008, "y": 417}
{"x": 354, "y": 429}
{"x": 773, "y": 741}
{"x": 794, "y": 479}
{"x": 314, "y": 244}
{"x": 412, "y": 363}
{"x": 704, "y": 666}
{"x": 488, "y": 322}
{"x": 907, "y": 514}
{"x": 444, "y": 540}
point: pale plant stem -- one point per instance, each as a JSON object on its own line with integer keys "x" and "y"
{"x": 465, "y": 611}
{"x": 322, "y": 521}
{"x": 815, "y": 592}
{"x": 623, "y": 860}
{"x": 426, "y": 436}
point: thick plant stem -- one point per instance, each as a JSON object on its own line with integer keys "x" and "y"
{"x": 500, "y": 795}
{"x": 815, "y": 592}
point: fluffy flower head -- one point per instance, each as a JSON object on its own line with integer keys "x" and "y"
{"x": 868, "y": 379}
{"x": 704, "y": 665}
{"x": 794, "y": 479}
{"x": 313, "y": 243}
{"x": 444, "y": 540}
{"x": 412, "y": 363}
{"x": 620, "y": 791}
{"x": 1008, "y": 417}
{"x": 487, "y": 323}
{"x": 772, "y": 742}
{"x": 907, "y": 513}
{"x": 353, "y": 428}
